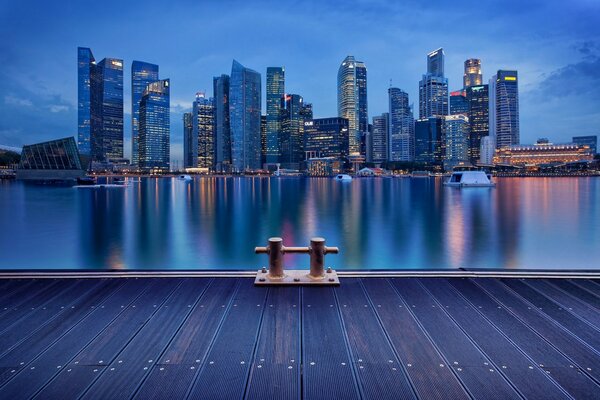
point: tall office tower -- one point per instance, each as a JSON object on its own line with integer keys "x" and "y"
{"x": 85, "y": 69}
{"x": 591, "y": 141}
{"x": 222, "y": 129}
{"x": 294, "y": 113}
{"x": 456, "y": 137}
{"x": 401, "y": 127}
{"x": 459, "y": 103}
{"x": 244, "y": 114}
{"x": 327, "y": 137}
{"x": 505, "y": 117}
{"x": 263, "y": 140}
{"x": 275, "y": 91}
{"x": 190, "y": 148}
{"x": 142, "y": 74}
{"x": 472, "y": 75}
{"x": 379, "y": 138}
{"x": 429, "y": 141}
{"x": 433, "y": 87}
{"x": 478, "y": 100}
{"x": 352, "y": 101}
{"x": 203, "y": 122}
{"x": 488, "y": 148}
{"x": 155, "y": 127}
{"x": 106, "y": 135}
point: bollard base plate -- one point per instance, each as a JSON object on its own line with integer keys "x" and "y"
{"x": 296, "y": 277}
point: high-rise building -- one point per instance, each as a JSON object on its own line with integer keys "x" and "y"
{"x": 488, "y": 148}
{"x": 203, "y": 122}
{"x": 401, "y": 146}
{"x": 433, "y": 87}
{"x": 244, "y": 114}
{"x": 263, "y": 139}
{"x": 190, "y": 148}
{"x": 85, "y": 70}
{"x": 106, "y": 109}
{"x": 142, "y": 74}
{"x": 459, "y": 103}
{"x": 155, "y": 127}
{"x": 275, "y": 91}
{"x": 591, "y": 141}
{"x": 327, "y": 137}
{"x": 294, "y": 113}
{"x": 472, "y": 75}
{"x": 456, "y": 138}
{"x": 429, "y": 141}
{"x": 478, "y": 100}
{"x": 352, "y": 101}
{"x": 379, "y": 139}
{"x": 505, "y": 117}
{"x": 222, "y": 129}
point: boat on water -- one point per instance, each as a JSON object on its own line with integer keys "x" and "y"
{"x": 184, "y": 177}
{"x": 86, "y": 181}
{"x": 470, "y": 178}
{"x": 343, "y": 177}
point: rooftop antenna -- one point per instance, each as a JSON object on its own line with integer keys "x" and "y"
{"x": 390, "y": 82}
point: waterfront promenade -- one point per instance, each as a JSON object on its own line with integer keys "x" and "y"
{"x": 453, "y": 336}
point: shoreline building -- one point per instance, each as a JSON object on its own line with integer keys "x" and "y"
{"x": 591, "y": 141}
{"x": 433, "y": 87}
{"x": 263, "y": 140}
{"x": 142, "y": 74}
{"x": 327, "y": 137}
{"x": 479, "y": 119}
{"x": 244, "y": 118}
{"x": 542, "y": 153}
{"x": 86, "y": 65}
{"x": 379, "y": 139}
{"x": 472, "y": 75}
{"x": 401, "y": 127}
{"x": 294, "y": 113}
{"x": 504, "y": 98}
{"x": 352, "y": 102}
{"x": 429, "y": 141}
{"x": 190, "y": 151}
{"x": 53, "y": 160}
{"x": 222, "y": 129}
{"x": 456, "y": 137}
{"x": 155, "y": 127}
{"x": 275, "y": 92}
{"x": 203, "y": 131}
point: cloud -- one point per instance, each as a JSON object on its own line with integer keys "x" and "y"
{"x": 16, "y": 101}
{"x": 58, "y": 108}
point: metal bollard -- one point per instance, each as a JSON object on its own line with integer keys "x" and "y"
{"x": 275, "y": 252}
{"x": 317, "y": 257}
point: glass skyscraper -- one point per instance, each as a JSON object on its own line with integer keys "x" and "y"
{"x": 275, "y": 92}
{"x": 401, "y": 126}
{"x": 142, "y": 74}
{"x": 203, "y": 122}
{"x": 433, "y": 87}
{"x": 379, "y": 138}
{"x": 456, "y": 135}
{"x": 294, "y": 113}
{"x": 85, "y": 69}
{"x": 327, "y": 137}
{"x": 352, "y": 101}
{"x": 506, "y": 113}
{"x": 472, "y": 75}
{"x": 263, "y": 139}
{"x": 478, "y": 100}
{"x": 429, "y": 141}
{"x": 244, "y": 114}
{"x": 107, "y": 110}
{"x": 222, "y": 142}
{"x": 155, "y": 127}
{"x": 459, "y": 103}
{"x": 190, "y": 149}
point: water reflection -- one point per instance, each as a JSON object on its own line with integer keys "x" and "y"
{"x": 214, "y": 223}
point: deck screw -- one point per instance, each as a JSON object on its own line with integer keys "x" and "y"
{"x": 331, "y": 279}
{"x": 262, "y": 279}
{"x": 296, "y": 279}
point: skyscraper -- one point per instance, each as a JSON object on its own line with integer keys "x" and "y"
{"x": 433, "y": 87}
{"x": 190, "y": 149}
{"x": 222, "y": 142}
{"x": 456, "y": 134}
{"x": 294, "y": 113}
{"x": 506, "y": 113}
{"x": 106, "y": 135}
{"x": 203, "y": 122}
{"x": 275, "y": 91}
{"x": 244, "y": 114}
{"x": 478, "y": 101}
{"x": 401, "y": 127}
{"x": 327, "y": 137}
{"x": 142, "y": 74}
{"x": 154, "y": 127}
{"x": 472, "y": 75}
{"x": 352, "y": 101}
{"x": 85, "y": 70}
{"x": 459, "y": 103}
{"x": 263, "y": 139}
{"x": 429, "y": 141}
{"x": 379, "y": 138}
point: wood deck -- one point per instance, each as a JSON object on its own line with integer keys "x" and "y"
{"x": 224, "y": 338}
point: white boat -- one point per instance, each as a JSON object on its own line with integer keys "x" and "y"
{"x": 184, "y": 178}
{"x": 470, "y": 179}
{"x": 343, "y": 177}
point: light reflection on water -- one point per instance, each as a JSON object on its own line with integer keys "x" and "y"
{"x": 215, "y": 223}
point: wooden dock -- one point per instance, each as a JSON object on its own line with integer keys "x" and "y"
{"x": 372, "y": 338}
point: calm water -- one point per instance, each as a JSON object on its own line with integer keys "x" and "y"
{"x": 215, "y": 223}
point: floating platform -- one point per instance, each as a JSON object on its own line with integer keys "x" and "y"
{"x": 432, "y": 336}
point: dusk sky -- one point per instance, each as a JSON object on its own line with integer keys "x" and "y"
{"x": 554, "y": 45}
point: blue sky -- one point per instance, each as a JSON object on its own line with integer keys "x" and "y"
{"x": 555, "y": 46}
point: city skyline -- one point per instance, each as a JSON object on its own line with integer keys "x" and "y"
{"x": 543, "y": 67}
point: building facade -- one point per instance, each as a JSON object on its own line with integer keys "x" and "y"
{"x": 401, "y": 126}
{"x": 86, "y": 65}
{"x": 479, "y": 118}
{"x": 203, "y": 130}
{"x": 190, "y": 150}
{"x": 433, "y": 87}
{"x": 591, "y": 141}
{"x": 263, "y": 140}
{"x": 54, "y": 160}
{"x": 506, "y": 112}
{"x": 542, "y": 153}
{"x": 294, "y": 113}
{"x": 222, "y": 129}
{"x": 155, "y": 127}
{"x": 456, "y": 138}
{"x": 379, "y": 139}
{"x": 459, "y": 103}
{"x": 275, "y": 92}
{"x": 142, "y": 74}
{"x": 327, "y": 137}
{"x": 472, "y": 75}
{"x": 429, "y": 141}
{"x": 352, "y": 101}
